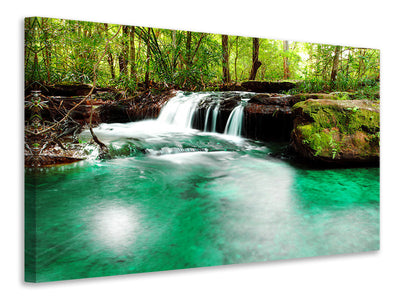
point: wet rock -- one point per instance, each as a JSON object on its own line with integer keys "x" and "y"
{"x": 231, "y": 87}
{"x": 268, "y": 118}
{"x": 230, "y": 103}
{"x": 345, "y": 131}
{"x": 267, "y": 86}
{"x": 272, "y": 99}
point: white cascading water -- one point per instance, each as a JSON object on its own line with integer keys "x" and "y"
{"x": 179, "y": 111}
{"x": 175, "y": 117}
{"x": 234, "y": 123}
{"x": 206, "y": 120}
{"x": 215, "y": 116}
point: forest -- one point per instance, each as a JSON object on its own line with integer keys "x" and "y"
{"x": 130, "y": 58}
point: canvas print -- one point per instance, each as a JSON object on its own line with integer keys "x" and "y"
{"x": 151, "y": 149}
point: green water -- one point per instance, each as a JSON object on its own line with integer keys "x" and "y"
{"x": 174, "y": 201}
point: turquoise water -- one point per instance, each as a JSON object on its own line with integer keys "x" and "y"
{"x": 174, "y": 200}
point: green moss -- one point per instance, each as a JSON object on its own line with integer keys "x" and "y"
{"x": 347, "y": 119}
{"x": 333, "y": 122}
{"x": 324, "y": 143}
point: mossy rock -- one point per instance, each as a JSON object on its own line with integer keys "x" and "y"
{"x": 337, "y": 131}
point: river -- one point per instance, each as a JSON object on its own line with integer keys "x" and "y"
{"x": 172, "y": 197}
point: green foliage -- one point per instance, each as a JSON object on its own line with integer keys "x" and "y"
{"x": 321, "y": 141}
{"x": 310, "y": 85}
{"x": 332, "y": 123}
{"x": 348, "y": 120}
{"x": 60, "y": 51}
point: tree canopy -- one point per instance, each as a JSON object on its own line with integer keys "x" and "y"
{"x": 66, "y": 51}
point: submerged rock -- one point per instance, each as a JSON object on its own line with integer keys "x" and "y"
{"x": 337, "y": 131}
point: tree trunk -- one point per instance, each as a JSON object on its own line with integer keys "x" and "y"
{"x": 256, "y": 63}
{"x": 28, "y": 36}
{"x": 173, "y": 38}
{"x": 193, "y": 55}
{"x": 46, "y": 52}
{"x": 132, "y": 54}
{"x": 188, "y": 49}
{"x": 225, "y": 60}
{"x": 361, "y": 65}
{"x": 110, "y": 58}
{"x": 286, "y": 72}
{"x": 335, "y": 64}
{"x": 348, "y": 63}
{"x": 236, "y": 56}
{"x": 139, "y": 45}
{"x": 147, "y": 75}
{"x": 174, "y": 52}
{"x": 123, "y": 56}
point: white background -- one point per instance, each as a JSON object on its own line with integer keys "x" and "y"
{"x": 365, "y": 23}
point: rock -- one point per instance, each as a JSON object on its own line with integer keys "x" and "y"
{"x": 267, "y": 86}
{"x": 332, "y": 96}
{"x": 271, "y": 99}
{"x": 230, "y": 103}
{"x": 268, "y": 117}
{"x": 231, "y": 87}
{"x": 306, "y": 96}
{"x": 343, "y": 131}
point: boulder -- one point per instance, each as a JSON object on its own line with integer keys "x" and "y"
{"x": 267, "y": 86}
{"x": 342, "y": 131}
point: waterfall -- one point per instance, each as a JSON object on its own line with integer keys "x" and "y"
{"x": 179, "y": 111}
{"x": 214, "y": 118}
{"x": 206, "y": 120}
{"x": 234, "y": 123}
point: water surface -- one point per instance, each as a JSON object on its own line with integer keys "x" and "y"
{"x": 171, "y": 197}
{"x": 193, "y": 200}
